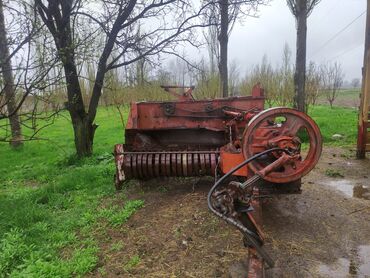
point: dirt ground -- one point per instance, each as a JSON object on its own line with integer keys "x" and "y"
{"x": 323, "y": 232}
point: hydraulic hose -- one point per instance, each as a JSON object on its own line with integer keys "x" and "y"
{"x": 251, "y": 236}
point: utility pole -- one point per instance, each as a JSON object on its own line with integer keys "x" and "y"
{"x": 363, "y": 138}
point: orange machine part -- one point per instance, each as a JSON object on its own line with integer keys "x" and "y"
{"x": 230, "y": 160}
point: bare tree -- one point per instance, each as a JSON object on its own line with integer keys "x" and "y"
{"x": 211, "y": 38}
{"x": 301, "y": 9}
{"x": 332, "y": 76}
{"x": 9, "y": 86}
{"x": 120, "y": 23}
{"x": 233, "y": 78}
{"x": 313, "y": 84}
{"x": 265, "y": 75}
{"x": 355, "y": 83}
{"x": 228, "y": 12}
{"x": 207, "y": 82}
{"x": 22, "y": 83}
{"x": 285, "y": 88}
{"x": 223, "y": 39}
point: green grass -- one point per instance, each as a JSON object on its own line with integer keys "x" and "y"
{"x": 51, "y": 203}
{"x": 117, "y": 246}
{"x": 337, "y": 120}
{"x": 134, "y": 261}
{"x": 333, "y": 173}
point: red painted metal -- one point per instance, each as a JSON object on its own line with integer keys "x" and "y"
{"x": 191, "y": 137}
{"x": 181, "y": 93}
{"x": 182, "y": 137}
{"x": 206, "y": 114}
{"x": 258, "y": 91}
{"x": 255, "y": 263}
{"x": 262, "y": 134}
{"x": 229, "y": 160}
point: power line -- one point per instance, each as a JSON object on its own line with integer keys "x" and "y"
{"x": 333, "y": 8}
{"x": 345, "y": 52}
{"x": 336, "y": 35}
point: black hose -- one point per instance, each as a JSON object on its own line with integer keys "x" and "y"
{"x": 251, "y": 236}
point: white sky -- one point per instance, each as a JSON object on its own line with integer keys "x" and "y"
{"x": 276, "y": 25}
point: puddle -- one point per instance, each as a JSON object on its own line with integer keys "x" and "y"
{"x": 357, "y": 266}
{"x": 350, "y": 188}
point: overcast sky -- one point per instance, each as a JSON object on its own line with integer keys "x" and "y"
{"x": 276, "y": 25}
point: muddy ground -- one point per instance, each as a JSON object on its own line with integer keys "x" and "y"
{"x": 323, "y": 232}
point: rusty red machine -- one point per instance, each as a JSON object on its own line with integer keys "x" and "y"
{"x": 251, "y": 152}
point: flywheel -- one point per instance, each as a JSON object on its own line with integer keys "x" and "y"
{"x": 288, "y": 129}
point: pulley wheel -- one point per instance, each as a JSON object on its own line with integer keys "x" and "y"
{"x": 285, "y": 128}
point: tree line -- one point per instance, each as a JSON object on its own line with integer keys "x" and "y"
{"x": 75, "y": 55}
{"x": 323, "y": 81}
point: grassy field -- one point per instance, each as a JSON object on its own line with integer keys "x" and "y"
{"x": 345, "y": 98}
{"x": 337, "y": 120}
{"x": 52, "y": 205}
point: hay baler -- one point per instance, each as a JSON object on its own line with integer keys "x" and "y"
{"x": 258, "y": 152}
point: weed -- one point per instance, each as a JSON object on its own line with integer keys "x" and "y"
{"x": 346, "y": 155}
{"x": 333, "y": 173}
{"x": 178, "y": 232}
{"x": 133, "y": 262}
{"x": 105, "y": 158}
{"x": 162, "y": 189}
{"x": 117, "y": 246}
{"x": 102, "y": 271}
{"x": 121, "y": 216}
{"x": 13, "y": 246}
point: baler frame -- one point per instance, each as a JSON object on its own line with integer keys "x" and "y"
{"x": 218, "y": 138}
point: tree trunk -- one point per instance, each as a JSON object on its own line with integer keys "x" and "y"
{"x": 83, "y": 127}
{"x": 224, "y": 40}
{"x": 300, "y": 70}
{"x": 9, "y": 87}
{"x": 56, "y": 15}
{"x": 84, "y": 131}
{"x": 331, "y": 103}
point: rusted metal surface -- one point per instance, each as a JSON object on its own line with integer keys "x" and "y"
{"x": 258, "y": 91}
{"x": 180, "y": 93}
{"x": 147, "y": 165}
{"x": 240, "y": 204}
{"x": 255, "y": 215}
{"x": 188, "y": 152}
{"x": 264, "y": 132}
{"x": 219, "y": 138}
{"x": 119, "y": 176}
{"x": 255, "y": 265}
{"x": 208, "y": 114}
{"x": 229, "y": 160}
